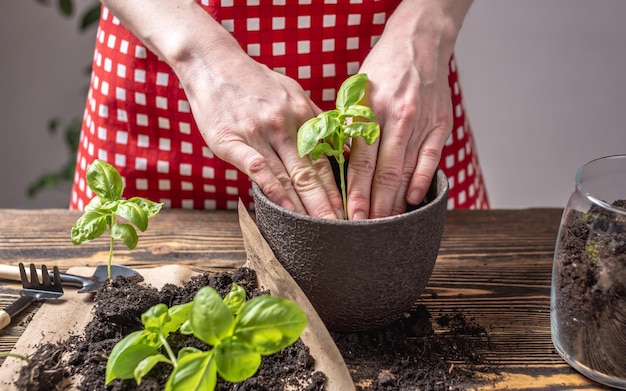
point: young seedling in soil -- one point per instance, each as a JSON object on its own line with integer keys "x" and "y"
{"x": 101, "y": 212}
{"x": 239, "y": 332}
{"x": 329, "y": 132}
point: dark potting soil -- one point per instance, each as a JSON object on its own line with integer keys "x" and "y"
{"x": 590, "y": 274}
{"x": 407, "y": 355}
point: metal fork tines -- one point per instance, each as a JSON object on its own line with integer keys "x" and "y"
{"x": 32, "y": 290}
{"x": 46, "y": 289}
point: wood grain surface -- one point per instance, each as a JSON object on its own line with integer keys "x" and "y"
{"x": 494, "y": 265}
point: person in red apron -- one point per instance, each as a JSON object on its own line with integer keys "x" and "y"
{"x": 201, "y": 98}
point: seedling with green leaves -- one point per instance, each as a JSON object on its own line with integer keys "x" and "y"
{"x": 329, "y": 132}
{"x": 101, "y": 212}
{"x": 239, "y": 332}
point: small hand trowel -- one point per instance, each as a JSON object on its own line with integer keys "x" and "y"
{"x": 86, "y": 284}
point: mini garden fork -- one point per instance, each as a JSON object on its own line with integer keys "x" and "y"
{"x": 33, "y": 290}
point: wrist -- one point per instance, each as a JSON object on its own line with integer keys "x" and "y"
{"x": 432, "y": 26}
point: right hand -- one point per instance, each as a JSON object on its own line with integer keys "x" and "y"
{"x": 249, "y": 116}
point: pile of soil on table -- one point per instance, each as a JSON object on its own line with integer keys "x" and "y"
{"x": 117, "y": 313}
{"x": 408, "y": 354}
{"x": 590, "y": 278}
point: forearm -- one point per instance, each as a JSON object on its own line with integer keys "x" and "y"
{"x": 431, "y": 25}
{"x": 180, "y": 32}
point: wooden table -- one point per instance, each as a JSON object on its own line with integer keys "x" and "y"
{"x": 494, "y": 265}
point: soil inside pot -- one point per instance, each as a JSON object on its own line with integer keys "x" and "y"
{"x": 590, "y": 281}
{"x": 408, "y": 354}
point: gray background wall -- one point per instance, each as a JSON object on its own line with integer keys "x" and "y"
{"x": 543, "y": 80}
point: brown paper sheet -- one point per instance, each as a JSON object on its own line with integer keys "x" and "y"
{"x": 273, "y": 276}
{"x": 58, "y": 319}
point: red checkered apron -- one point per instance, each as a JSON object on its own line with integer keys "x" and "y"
{"x": 138, "y": 118}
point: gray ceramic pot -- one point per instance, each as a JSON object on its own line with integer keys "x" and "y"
{"x": 358, "y": 274}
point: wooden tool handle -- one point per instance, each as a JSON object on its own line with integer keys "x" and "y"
{"x": 12, "y": 272}
{"x": 5, "y": 319}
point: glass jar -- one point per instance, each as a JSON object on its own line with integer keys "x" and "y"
{"x": 588, "y": 301}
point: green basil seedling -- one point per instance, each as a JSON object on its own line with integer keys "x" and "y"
{"x": 327, "y": 133}
{"x": 239, "y": 332}
{"x": 101, "y": 212}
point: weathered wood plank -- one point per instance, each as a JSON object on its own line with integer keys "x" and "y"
{"x": 493, "y": 265}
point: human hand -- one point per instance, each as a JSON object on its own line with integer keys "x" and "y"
{"x": 249, "y": 116}
{"x": 410, "y": 95}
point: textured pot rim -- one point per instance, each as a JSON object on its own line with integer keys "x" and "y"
{"x": 440, "y": 197}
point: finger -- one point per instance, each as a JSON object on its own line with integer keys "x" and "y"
{"x": 388, "y": 176}
{"x": 268, "y": 172}
{"x": 410, "y": 162}
{"x": 308, "y": 185}
{"x": 327, "y": 177}
{"x": 427, "y": 162}
{"x": 360, "y": 175}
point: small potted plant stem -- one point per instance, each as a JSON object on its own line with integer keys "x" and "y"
{"x": 357, "y": 274}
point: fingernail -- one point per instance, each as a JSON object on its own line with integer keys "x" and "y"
{"x": 339, "y": 213}
{"x": 414, "y": 197}
{"x": 288, "y": 205}
{"x": 359, "y": 215}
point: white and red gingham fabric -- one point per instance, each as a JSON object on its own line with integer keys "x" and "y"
{"x": 138, "y": 118}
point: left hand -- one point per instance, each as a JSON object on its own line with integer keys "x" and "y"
{"x": 410, "y": 95}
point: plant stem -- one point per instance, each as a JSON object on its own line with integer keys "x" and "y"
{"x": 110, "y": 249}
{"x": 168, "y": 349}
{"x": 342, "y": 179}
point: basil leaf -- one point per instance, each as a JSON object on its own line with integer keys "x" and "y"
{"x": 360, "y": 111}
{"x": 94, "y": 204}
{"x": 126, "y": 233}
{"x": 270, "y": 323}
{"x": 178, "y": 315}
{"x": 144, "y": 366}
{"x": 236, "y": 361}
{"x": 155, "y": 317}
{"x": 308, "y": 136}
{"x": 324, "y": 149}
{"x": 150, "y": 207}
{"x": 235, "y": 299}
{"x": 104, "y": 180}
{"x": 195, "y": 371}
{"x": 127, "y": 353}
{"x": 368, "y": 130}
{"x": 316, "y": 129}
{"x": 133, "y": 213}
{"x": 89, "y": 226}
{"x": 352, "y": 90}
{"x": 210, "y": 319}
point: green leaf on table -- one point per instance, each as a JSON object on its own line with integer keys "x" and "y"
{"x": 104, "y": 180}
{"x": 127, "y": 354}
{"x": 236, "y": 361}
{"x": 210, "y": 319}
{"x": 134, "y": 213}
{"x": 235, "y": 299}
{"x": 126, "y": 233}
{"x": 269, "y": 323}
{"x": 89, "y": 226}
{"x": 150, "y": 207}
{"x": 195, "y": 371}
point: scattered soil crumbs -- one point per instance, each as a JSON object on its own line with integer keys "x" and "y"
{"x": 410, "y": 355}
{"x": 407, "y": 355}
{"x": 118, "y": 310}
